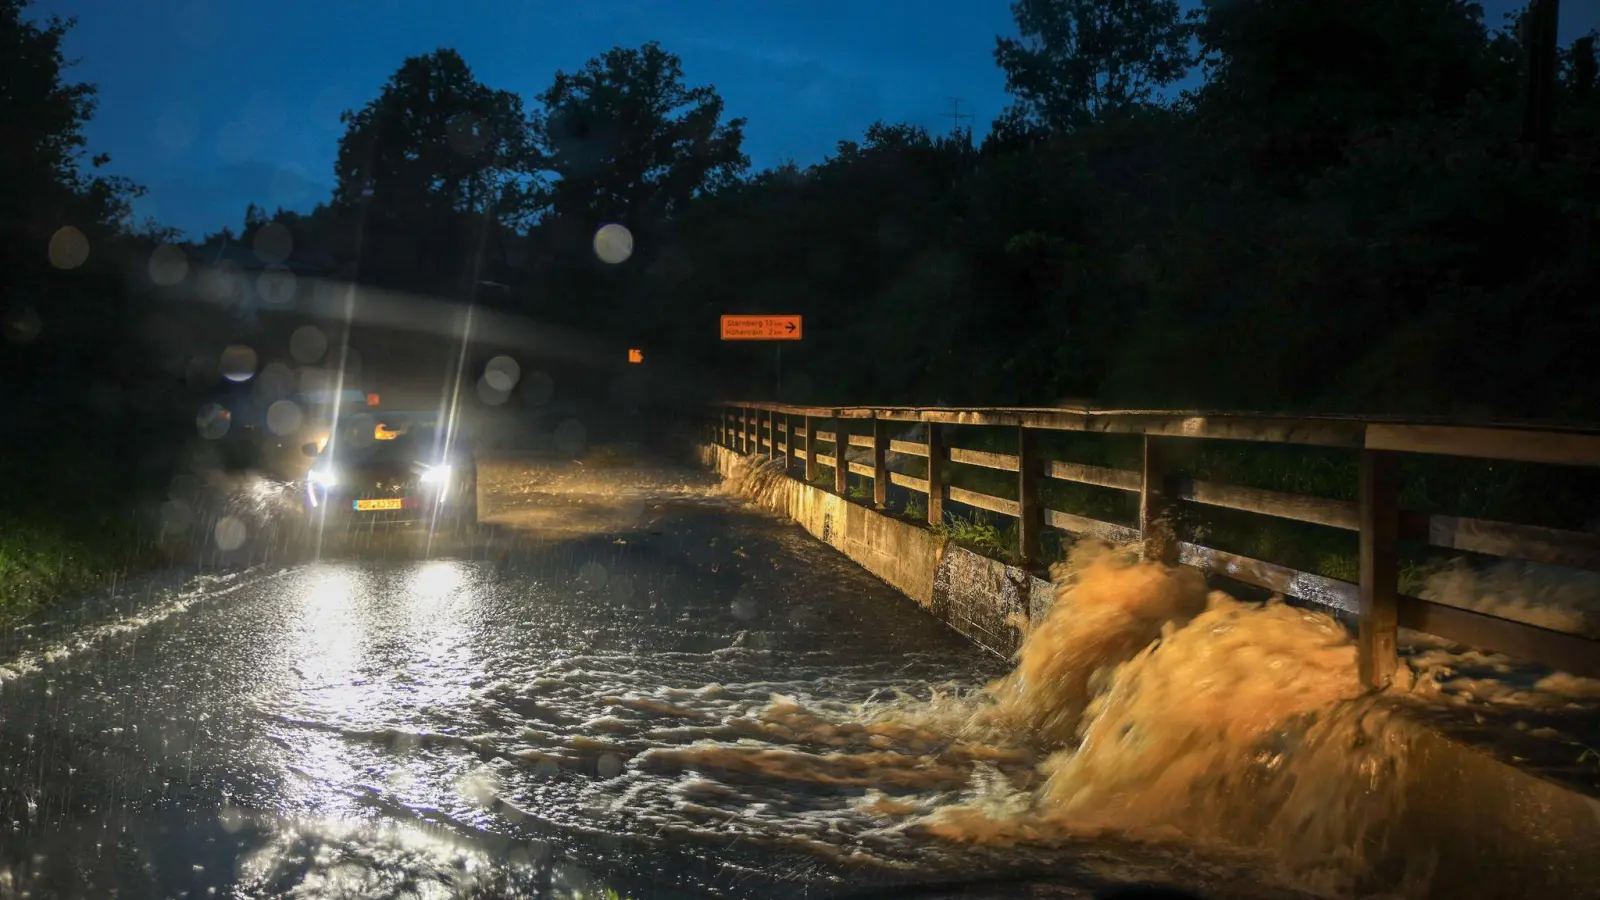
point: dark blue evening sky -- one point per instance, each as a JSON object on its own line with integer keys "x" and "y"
{"x": 213, "y": 104}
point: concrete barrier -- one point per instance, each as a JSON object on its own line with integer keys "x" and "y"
{"x": 980, "y": 598}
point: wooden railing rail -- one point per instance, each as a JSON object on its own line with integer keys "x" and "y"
{"x": 795, "y": 433}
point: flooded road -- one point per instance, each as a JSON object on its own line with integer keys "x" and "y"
{"x": 626, "y": 682}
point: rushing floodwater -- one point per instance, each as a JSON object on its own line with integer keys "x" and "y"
{"x": 647, "y": 690}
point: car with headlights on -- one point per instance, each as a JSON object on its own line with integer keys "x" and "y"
{"x": 392, "y": 469}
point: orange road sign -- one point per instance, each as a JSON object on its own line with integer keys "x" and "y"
{"x": 761, "y": 328}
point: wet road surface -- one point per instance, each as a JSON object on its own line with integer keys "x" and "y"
{"x": 624, "y": 682}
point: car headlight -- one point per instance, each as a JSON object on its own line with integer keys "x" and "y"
{"x": 435, "y": 475}
{"x": 324, "y": 477}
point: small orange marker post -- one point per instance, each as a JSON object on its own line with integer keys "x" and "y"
{"x": 636, "y": 355}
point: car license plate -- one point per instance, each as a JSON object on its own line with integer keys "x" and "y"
{"x": 382, "y": 503}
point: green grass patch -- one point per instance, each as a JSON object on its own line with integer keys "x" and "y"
{"x": 43, "y": 559}
{"x": 980, "y": 534}
{"x": 68, "y": 526}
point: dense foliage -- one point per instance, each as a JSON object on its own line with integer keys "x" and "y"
{"x": 1341, "y": 212}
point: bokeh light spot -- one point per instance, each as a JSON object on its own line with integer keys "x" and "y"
{"x": 69, "y": 248}
{"x": 284, "y": 418}
{"x": 467, "y": 134}
{"x": 308, "y": 344}
{"x": 275, "y": 382}
{"x": 229, "y": 533}
{"x": 213, "y": 421}
{"x": 613, "y": 243}
{"x": 177, "y": 515}
{"x": 218, "y": 284}
{"x": 489, "y": 394}
{"x": 502, "y": 373}
{"x": 169, "y": 265}
{"x": 313, "y": 379}
{"x": 238, "y": 362}
{"x": 276, "y": 285}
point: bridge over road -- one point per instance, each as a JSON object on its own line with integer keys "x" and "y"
{"x": 633, "y": 679}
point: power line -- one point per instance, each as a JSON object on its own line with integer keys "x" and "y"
{"x": 956, "y": 115}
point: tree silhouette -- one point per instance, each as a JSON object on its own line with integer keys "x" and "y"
{"x": 436, "y": 153}
{"x": 1079, "y": 60}
{"x": 625, "y": 140}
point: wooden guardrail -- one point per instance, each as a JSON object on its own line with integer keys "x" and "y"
{"x": 1375, "y": 600}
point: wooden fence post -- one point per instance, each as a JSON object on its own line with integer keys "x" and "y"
{"x": 811, "y": 449}
{"x": 1030, "y": 517}
{"x": 841, "y": 452}
{"x": 772, "y": 434}
{"x": 1156, "y": 532}
{"x": 880, "y": 463}
{"x": 789, "y": 448}
{"x": 1380, "y": 567}
{"x": 937, "y": 454}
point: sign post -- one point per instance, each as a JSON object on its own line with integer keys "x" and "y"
{"x": 764, "y": 328}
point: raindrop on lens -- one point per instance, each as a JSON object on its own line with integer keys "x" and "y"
{"x": 502, "y": 373}
{"x": 313, "y": 379}
{"x": 308, "y": 344}
{"x": 275, "y": 382}
{"x": 284, "y": 418}
{"x": 613, "y": 243}
{"x": 177, "y": 515}
{"x": 213, "y": 421}
{"x": 69, "y": 248}
{"x": 229, "y": 533}
{"x": 238, "y": 362}
{"x": 169, "y": 265}
{"x": 276, "y": 285}
{"x": 489, "y": 394}
{"x": 609, "y": 765}
{"x": 231, "y": 819}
